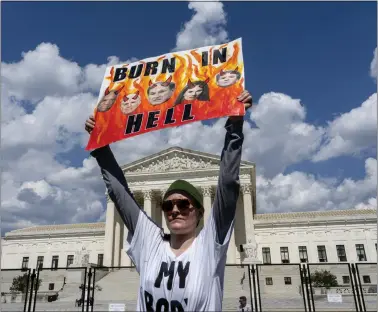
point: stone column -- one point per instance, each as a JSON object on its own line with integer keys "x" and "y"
{"x": 206, "y": 192}
{"x": 250, "y": 248}
{"x": 147, "y": 205}
{"x": 163, "y": 222}
{"x": 109, "y": 233}
{"x": 239, "y": 234}
{"x": 156, "y": 209}
{"x": 231, "y": 251}
{"x": 117, "y": 239}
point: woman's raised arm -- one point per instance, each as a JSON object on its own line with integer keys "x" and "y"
{"x": 117, "y": 187}
{"x": 115, "y": 182}
{"x": 228, "y": 188}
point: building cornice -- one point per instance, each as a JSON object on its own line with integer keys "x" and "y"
{"x": 54, "y": 235}
{"x": 330, "y": 217}
{"x": 58, "y": 230}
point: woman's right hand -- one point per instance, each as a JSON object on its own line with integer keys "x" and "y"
{"x": 89, "y": 124}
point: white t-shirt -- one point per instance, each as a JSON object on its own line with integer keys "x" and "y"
{"x": 247, "y": 308}
{"x": 192, "y": 281}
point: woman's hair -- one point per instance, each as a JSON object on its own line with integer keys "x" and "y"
{"x": 204, "y": 96}
{"x": 165, "y": 236}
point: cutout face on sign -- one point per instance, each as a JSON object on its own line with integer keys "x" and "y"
{"x": 160, "y": 92}
{"x": 197, "y": 90}
{"x": 107, "y": 100}
{"x": 228, "y": 78}
{"x": 130, "y": 102}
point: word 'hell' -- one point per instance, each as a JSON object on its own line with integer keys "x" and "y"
{"x": 134, "y": 122}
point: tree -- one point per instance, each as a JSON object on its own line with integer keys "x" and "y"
{"x": 20, "y": 283}
{"x": 324, "y": 278}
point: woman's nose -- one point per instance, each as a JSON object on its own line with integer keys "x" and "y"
{"x": 175, "y": 209}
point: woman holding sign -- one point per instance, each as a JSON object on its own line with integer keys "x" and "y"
{"x": 181, "y": 271}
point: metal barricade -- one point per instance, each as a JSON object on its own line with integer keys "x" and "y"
{"x": 237, "y": 283}
{"x": 320, "y": 287}
{"x": 280, "y": 288}
{"x": 112, "y": 285}
{"x": 331, "y": 287}
{"x": 366, "y": 275}
{"x": 15, "y": 289}
{"x": 60, "y": 289}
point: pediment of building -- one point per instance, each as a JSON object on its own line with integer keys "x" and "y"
{"x": 176, "y": 159}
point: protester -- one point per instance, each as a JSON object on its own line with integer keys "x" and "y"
{"x": 243, "y": 306}
{"x": 180, "y": 271}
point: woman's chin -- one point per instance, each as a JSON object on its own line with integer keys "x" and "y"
{"x": 178, "y": 228}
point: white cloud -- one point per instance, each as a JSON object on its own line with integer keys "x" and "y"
{"x": 44, "y": 72}
{"x": 374, "y": 65}
{"x": 36, "y": 189}
{"x": 351, "y": 132}
{"x": 41, "y": 72}
{"x": 371, "y": 203}
{"x": 283, "y": 137}
{"x": 206, "y": 27}
{"x": 299, "y": 191}
{"x": 54, "y": 120}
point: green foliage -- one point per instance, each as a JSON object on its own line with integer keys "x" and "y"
{"x": 20, "y": 283}
{"x": 324, "y": 278}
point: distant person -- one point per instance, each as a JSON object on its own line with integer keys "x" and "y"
{"x": 107, "y": 100}
{"x": 160, "y": 92}
{"x": 130, "y": 103}
{"x": 182, "y": 270}
{"x": 243, "y": 306}
{"x": 228, "y": 77}
{"x": 197, "y": 90}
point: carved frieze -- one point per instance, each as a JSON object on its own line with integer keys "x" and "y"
{"x": 175, "y": 162}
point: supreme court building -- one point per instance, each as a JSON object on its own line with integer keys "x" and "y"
{"x": 292, "y": 237}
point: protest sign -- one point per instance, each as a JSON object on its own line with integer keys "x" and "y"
{"x": 170, "y": 90}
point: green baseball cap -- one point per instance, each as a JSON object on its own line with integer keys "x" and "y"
{"x": 188, "y": 189}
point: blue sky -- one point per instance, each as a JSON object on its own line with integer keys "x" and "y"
{"x": 318, "y": 52}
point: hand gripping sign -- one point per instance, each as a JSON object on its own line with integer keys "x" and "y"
{"x": 169, "y": 91}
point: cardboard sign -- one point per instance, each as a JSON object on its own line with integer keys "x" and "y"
{"x": 337, "y": 298}
{"x": 169, "y": 91}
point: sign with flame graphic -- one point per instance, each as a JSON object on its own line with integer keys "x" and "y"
{"x": 169, "y": 91}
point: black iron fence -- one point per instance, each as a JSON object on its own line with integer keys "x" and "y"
{"x": 323, "y": 287}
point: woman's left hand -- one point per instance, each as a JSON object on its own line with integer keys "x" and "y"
{"x": 246, "y": 98}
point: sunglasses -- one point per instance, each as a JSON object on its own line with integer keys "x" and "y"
{"x": 182, "y": 204}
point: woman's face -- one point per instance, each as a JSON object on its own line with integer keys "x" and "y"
{"x": 129, "y": 103}
{"x": 181, "y": 216}
{"x": 193, "y": 93}
{"x": 227, "y": 79}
